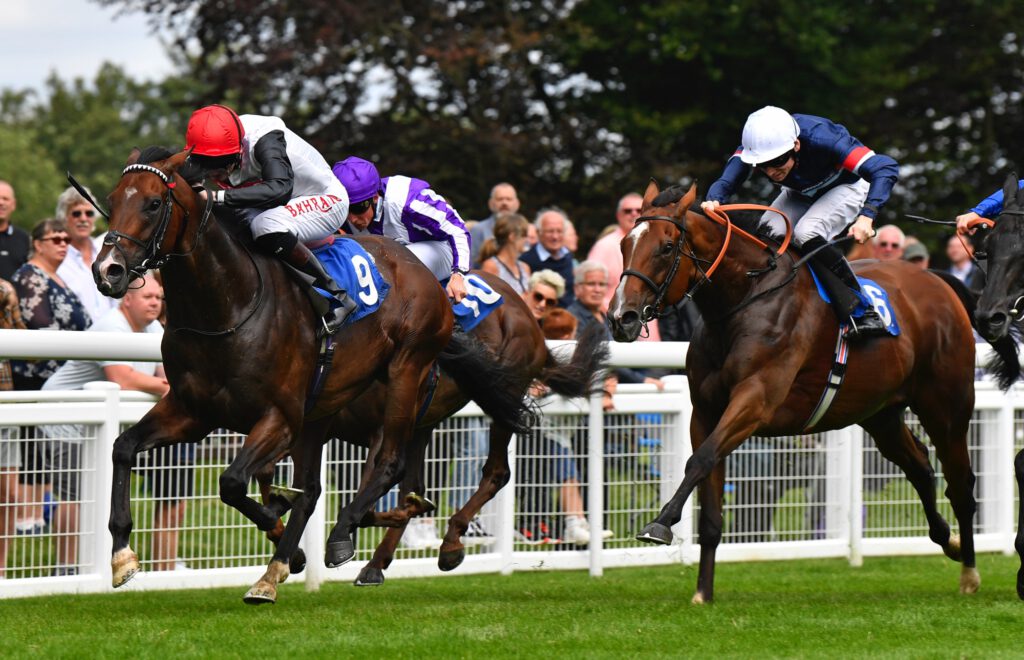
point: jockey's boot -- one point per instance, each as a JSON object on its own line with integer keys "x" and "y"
{"x": 306, "y": 262}
{"x": 838, "y": 279}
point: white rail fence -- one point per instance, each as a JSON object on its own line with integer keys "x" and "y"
{"x": 826, "y": 495}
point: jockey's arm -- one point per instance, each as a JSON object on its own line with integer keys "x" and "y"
{"x": 276, "y": 177}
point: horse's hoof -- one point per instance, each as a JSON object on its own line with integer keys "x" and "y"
{"x": 261, "y": 593}
{"x": 422, "y": 501}
{"x": 289, "y": 494}
{"x": 339, "y": 552}
{"x": 449, "y": 560}
{"x": 297, "y": 563}
{"x": 698, "y": 599}
{"x": 124, "y": 565}
{"x": 655, "y": 533}
{"x": 952, "y": 548}
{"x": 370, "y": 576}
{"x": 970, "y": 580}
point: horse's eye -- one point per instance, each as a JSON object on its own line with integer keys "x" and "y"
{"x": 666, "y": 248}
{"x": 153, "y": 206}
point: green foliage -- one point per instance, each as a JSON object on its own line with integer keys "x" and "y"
{"x": 31, "y": 173}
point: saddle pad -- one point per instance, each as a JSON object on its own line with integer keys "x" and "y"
{"x": 871, "y": 294}
{"x": 480, "y": 301}
{"x": 353, "y": 269}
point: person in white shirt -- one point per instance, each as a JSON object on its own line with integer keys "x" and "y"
{"x": 76, "y": 269}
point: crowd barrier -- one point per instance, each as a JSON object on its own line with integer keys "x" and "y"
{"x": 824, "y": 495}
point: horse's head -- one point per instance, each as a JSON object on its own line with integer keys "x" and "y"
{"x": 149, "y": 209}
{"x": 657, "y": 262}
{"x": 1002, "y": 302}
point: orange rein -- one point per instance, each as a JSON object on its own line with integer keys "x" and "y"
{"x": 720, "y": 216}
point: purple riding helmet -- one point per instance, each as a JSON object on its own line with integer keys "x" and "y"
{"x": 359, "y": 177}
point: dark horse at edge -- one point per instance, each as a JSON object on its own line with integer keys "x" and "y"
{"x": 761, "y": 361}
{"x": 240, "y": 348}
{"x": 999, "y": 310}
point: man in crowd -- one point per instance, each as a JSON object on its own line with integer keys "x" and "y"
{"x": 503, "y": 200}
{"x": 14, "y": 242}
{"x": 889, "y": 243}
{"x": 550, "y": 252}
{"x": 959, "y": 251}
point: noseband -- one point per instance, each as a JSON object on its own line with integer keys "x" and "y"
{"x": 151, "y": 247}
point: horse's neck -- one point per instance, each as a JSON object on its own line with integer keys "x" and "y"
{"x": 213, "y": 283}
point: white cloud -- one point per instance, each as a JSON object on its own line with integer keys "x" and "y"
{"x": 73, "y": 38}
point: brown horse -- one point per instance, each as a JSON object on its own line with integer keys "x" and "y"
{"x": 1000, "y": 308}
{"x": 511, "y": 332}
{"x": 761, "y": 362}
{"x": 240, "y": 349}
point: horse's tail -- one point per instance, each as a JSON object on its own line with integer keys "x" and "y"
{"x": 497, "y": 387}
{"x": 1004, "y": 363}
{"x": 578, "y": 376}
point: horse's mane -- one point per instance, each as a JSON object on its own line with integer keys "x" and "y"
{"x": 669, "y": 195}
{"x": 192, "y": 174}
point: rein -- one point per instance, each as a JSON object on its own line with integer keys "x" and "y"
{"x": 152, "y": 246}
{"x": 682, "y": 248}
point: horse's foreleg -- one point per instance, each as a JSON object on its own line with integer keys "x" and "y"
{"x": 404, "y": 378}
{"x": 269, "y": 439}
{"x": 288, "y": 558}
{"x": 709, "y": 530}
{"x": 165, "y": 424}
{"x": 739, "y": 420}
{"x": 495, "y": 475}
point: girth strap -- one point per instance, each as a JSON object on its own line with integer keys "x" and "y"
{"x": 835, "y": 379}
{"x": 324, "y": 360}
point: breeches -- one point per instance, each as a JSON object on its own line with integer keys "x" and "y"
{"x": 825, "y": 217}
{"x": 310, "y": 218}
{"x": 436, "y": 256}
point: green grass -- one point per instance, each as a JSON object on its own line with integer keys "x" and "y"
{"x": 892, "y": 607}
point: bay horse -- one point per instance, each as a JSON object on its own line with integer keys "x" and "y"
{"x": 761, "y": 361}
{"x": 999, "y": 308}
{"x": 240, "y": 349}
{"x": 512, "y": 332}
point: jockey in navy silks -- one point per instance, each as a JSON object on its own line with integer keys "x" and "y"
{"x": 279, "y": 183}
{"x": 829, "y": 180}
{"x": 408, "y": 211}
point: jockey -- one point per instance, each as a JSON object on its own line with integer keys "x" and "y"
{"x": 278, "y": 181}
{"x": 829, "y": 181}
{"x": 990, "y": 207}
{"x": 408, "y": 211}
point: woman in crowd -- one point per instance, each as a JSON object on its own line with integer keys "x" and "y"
{"x": 500, "y": 255}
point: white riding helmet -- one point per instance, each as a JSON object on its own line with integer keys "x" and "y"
{"x": 768, "y": 133}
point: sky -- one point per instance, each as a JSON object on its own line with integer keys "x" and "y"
{"x": 73, "y": 37}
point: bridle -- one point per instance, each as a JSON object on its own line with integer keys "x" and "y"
{"x": 1016, "y": 311}
{"x": 682, "y": 248}
{"x": 151, "y": 248}
{"x": 151, "y": 260}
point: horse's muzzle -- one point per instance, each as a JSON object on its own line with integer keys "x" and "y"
{"x": 111, "y": 277}
{"x": 626, "y": 326}
{"x": 992, "y": 325}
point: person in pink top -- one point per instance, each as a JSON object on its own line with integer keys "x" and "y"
{"x": 607, "y": 251}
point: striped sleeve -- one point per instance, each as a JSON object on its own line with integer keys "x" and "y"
{"x": 430, "y": 216}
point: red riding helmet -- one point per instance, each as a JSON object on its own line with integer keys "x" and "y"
{"x": 214, "y": 130}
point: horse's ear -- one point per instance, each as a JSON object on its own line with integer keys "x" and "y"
{"x": 133, "y": 157}
{"x": 689, "y": 198}
{"x": 1010, "y": 188}
{"x": 651, "y": 192}
{"x": 177, "y": 160}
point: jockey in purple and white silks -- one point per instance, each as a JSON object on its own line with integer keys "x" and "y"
{"x": 830, "y": 182}
{"x": 408, "y": 211}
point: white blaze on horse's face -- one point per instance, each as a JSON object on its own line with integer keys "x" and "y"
{"x": 634, "y": 237}
{"x": 129, "y": 191}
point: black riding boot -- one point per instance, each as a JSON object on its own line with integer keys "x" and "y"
{"x": 841, "y": 284}
{"x": 306, "y": 262}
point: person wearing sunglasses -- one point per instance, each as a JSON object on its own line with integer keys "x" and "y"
{"x": 76, "y": 269}
{"x": 546, "y": 287}
{"x": 832, "y": 185}
{"x": 278, "y": 184}
{"x": 409, "y": 211}
{"x": 607, "y": 249}
{"x": 888, "y": 243}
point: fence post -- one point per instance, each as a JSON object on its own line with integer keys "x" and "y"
{"x": 856, "y": 494}
{"x": 595, "y": 465}
{"x": 505, "y": 503}
{"x": 101, "y": 546}
{"x": 314, "y": 538}
{"x": 1003, "y": 468}
{"x": 675, "y": 463}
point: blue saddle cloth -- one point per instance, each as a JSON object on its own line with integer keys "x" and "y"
{"x": 353, "y": 269}
{"x": 480, "y": 301}
{"x": 871, "y": 295}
